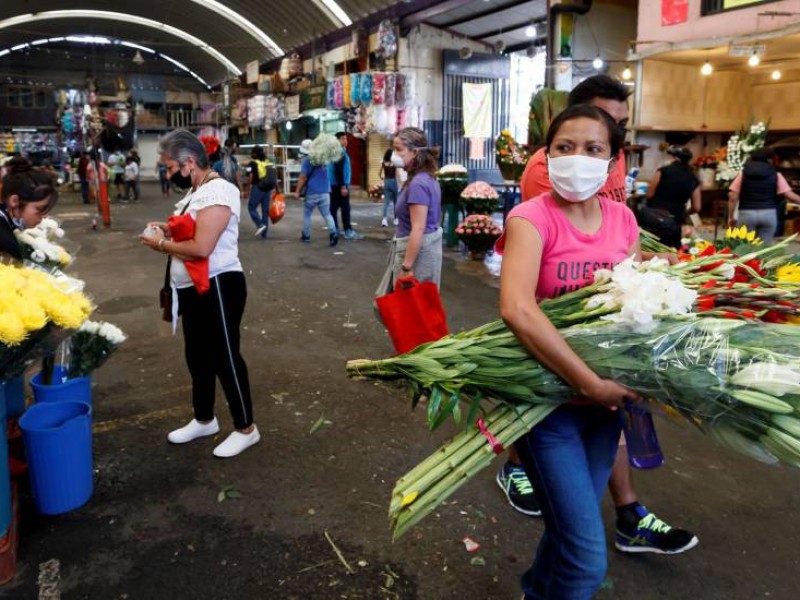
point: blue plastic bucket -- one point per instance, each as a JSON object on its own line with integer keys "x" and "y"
{"x": 74, "y": 390}
{"x": 15, "y": 396}
{"x": 58, "y": 445}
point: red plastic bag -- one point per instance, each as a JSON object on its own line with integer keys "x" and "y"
{"x": 277, "y": 208}
{"x": 413, "y": 314}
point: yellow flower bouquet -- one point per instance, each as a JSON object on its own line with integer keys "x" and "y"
{"x": 37, "y": 310}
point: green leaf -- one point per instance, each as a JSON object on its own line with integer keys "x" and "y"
{"x": 233, "y": 494}
{"x": 434, "y": 402}
{"x": 317, "y": 424}
{"x": 475, "y": 406}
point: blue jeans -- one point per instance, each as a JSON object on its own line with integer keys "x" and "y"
{"x": 262, "y": 199}
{"x": 389, "y": 195}
{"x": 763, "y": 221}
{"x": 321, "y": 202}
{"x": 568, "y": 458}
{"x": 85, "y": 190}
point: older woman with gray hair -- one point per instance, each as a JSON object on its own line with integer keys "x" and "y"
{"x": 211, "y": 305}
{"x": 417, "y": 247}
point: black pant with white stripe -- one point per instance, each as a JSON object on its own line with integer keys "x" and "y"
{"x": 211, "y": 325}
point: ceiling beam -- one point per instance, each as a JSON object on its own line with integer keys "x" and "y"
{"x": 539, "y": 41}
{"x": 434, "y": 11}
{"x": 508, "y": 28}
{"x": 484, "y": 13}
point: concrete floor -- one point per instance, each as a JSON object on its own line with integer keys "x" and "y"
{"x": 155, "y": 529}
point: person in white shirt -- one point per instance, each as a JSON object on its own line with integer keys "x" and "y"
{"x": 211, "y": 317}
{"x": 131, "y": 179}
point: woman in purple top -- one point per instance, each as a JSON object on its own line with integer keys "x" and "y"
{"x": 417, "y": 246}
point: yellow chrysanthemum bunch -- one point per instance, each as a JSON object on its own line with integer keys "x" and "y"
{"x": 29, "y": 299}
{"x": 741, "y": 233}
{"x": 788, "y": 273}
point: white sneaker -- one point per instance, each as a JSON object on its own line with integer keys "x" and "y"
{"x": 236, "y": 443}
{"x": 384, "y": 223}
{"x": 395, "y": 222}
{"x": 261, "y": 230}
{"x": 195, "y": 429}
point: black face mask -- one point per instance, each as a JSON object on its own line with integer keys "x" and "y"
{"x": 184, "y": 182}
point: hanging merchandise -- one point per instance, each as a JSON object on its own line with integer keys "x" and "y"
{"x": 346, "y": 83}
{"x": 360, "y": 129}
{"x": 355, "y": 89}
{"x": 370, "y": 125}
{"x": 366, "y": 88}
{"x": 358, "y": 41}
{"x": 283, "y": 73}
{"x": 411, "y": 88}
{"x": 400, "y": 90}
{"x": 255, "y": 111}
{"x": 338, "y": 96}
{"x": 331, "y": 95}
{"x": 295, "y": 65}
{"x": 381, "y": 119}
{"x": 378, "y": 87}
{"x": 391, "y": 121}
{"x": 389, "y": 89}
{"x": 402, "y": 119}
{"x": 240, "y": 110}
{"x": 387, "y": 40}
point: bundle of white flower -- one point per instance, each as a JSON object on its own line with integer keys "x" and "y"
{"x": 39, "y": 244}
{"x": 640, "y": 293}
{"x": 453, "y": 169}
{"x": 325, "y": 149}
{"x": 91, "y": 346}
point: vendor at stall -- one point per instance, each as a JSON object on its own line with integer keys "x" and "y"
{"x": 759, "y": 192}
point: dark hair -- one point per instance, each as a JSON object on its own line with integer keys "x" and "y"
{"x": 258, "y": 153}
{"x": 387, "y": 156}
{"x": 587, "y": 111}
{"x": 180, "y": 144}
{"x": 598, "y": 86}
{"x": 29, "y": 184}
{"x": 427, "y": 158}
{"x": 230, "y": 143}
{"x": 681, "y": 153}
{"x": 340, "y": 135}
{"x": 763, "y": 155}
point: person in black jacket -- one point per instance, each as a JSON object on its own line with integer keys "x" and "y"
{"x": 28, "y": 195}
{"x": 760, "y": 192}
{"x": 669, "y": 190}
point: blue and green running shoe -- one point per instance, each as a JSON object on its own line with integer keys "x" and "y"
{"x": 651, "y": 534}
{"x": 518, "y": 489}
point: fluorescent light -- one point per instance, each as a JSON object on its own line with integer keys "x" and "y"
{"x": 175, "y": 62}
{"x": 776, "y": 75}
{"x": 18, "y": 47}
{"x": 55, "y": 39}
{"x": 40, "y": 42}
{"x": 125, "y": 18}
{"x": 627, "y": 74}
{"x": 4, "y": 52}
{"x": 530, "y": 31}
{"x": 334, "y": 11}
{"x": 243, "y": 23}
{"x": 88, "y": 39}
{"x": 597, "y": 63}
{"x": 707, "y": 69}
{"x": 753, "y": 61}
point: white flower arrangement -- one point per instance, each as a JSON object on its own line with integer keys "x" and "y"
{"x": 104, "y": 329}
{"x": 40, "y": 246}
{"x": 740, "y": 147}
{"x": 91, "y": 346}
{"x": 642, "y": 292}
{"x": 325, "y": 149}
{"x": 453, "y": 169}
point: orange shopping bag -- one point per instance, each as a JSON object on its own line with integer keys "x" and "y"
{"x": 277, "y": 208}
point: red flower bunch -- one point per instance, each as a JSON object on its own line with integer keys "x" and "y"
{"x": 211, "y": 144}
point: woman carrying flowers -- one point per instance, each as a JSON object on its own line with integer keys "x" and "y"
{"x": 553, "y": 246}
{"x": 28, "y": 195}
{"x": 417, "y": 247}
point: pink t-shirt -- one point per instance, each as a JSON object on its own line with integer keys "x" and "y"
{"x": 783, "y": 185}
{"x": 570, "y": 256}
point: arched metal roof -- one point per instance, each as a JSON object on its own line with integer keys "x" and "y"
{"x": 285, "y": 24}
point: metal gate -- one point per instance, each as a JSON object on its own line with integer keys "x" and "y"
{"x": 479, "y": 68}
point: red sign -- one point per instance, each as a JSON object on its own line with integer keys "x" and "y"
{"x": 674, "y": 12}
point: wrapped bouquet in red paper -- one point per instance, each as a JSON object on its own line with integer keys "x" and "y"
{"x": 182, "y": 228}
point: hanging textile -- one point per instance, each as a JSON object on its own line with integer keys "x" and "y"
{"x": 477, "y": 102}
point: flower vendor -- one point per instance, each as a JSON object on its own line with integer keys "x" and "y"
{"x": 211, "y": 320}
{"x": 28, "y": 196}
{"x": 611, "y": 96}
{"x": 758, "y": 192}
{"x": 669, "y": 190}
{"x": 553, "y": 245}
{"x": 417, "y": 246}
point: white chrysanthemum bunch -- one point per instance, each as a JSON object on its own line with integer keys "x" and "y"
{"x": 325, "y": 149}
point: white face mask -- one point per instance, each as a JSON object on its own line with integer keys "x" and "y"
{"x": 397, "y": 160}
{"x": 576, "y": 177}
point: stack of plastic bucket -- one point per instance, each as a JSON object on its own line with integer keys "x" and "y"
{"x": 15, "y": 396}
{"x": 57, "y": 433}
{"x": 78, "y": 389}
